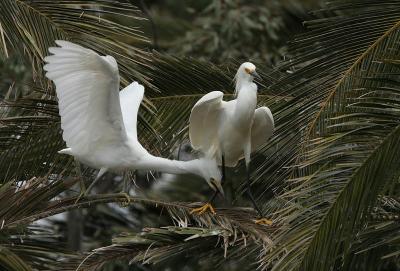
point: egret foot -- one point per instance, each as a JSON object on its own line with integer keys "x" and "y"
{"x": 201, "y": 210}
{"x": 128, "y": 199}
{"x": 263, "y": 221}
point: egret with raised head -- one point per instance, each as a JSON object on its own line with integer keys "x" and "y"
{"x": 230, "y": 131}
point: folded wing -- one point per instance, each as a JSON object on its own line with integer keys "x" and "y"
{"x": 87, "y": 87}
{"x": 263, "y": 127}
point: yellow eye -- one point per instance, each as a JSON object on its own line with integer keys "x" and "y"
{"x": 247, "y": 70}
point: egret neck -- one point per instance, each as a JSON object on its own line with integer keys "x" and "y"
{"x": 203, "y": 167}
{"x": 246, "y": 103}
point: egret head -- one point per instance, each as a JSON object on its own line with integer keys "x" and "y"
{"x": 210, "y": 172}
{"x": 245, "y": 75}
{"x": 247, "y": 71}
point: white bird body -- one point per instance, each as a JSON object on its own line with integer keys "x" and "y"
{"x": 229, "y": 131}
{"x": 99, "y": 122}
{"x": 233, "y": 129}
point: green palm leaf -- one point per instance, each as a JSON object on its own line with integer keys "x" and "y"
{"x": 30, "y": 28}
{"x": 37, "y": 246}
{"x": 10, "y": 261}
{"x": 30, "y": 133}
{"x": 349, "y": 148}
{"x": 42, "y": 197}
{"x": 170, "y": 244}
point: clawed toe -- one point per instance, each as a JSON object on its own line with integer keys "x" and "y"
{"x": 263, "y": 221}
{"x": 201, "y": 210}
{"x": 128, "y": 199}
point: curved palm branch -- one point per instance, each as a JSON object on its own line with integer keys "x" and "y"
{"x": 37, "y": 247}
{"x": 11, "y": 261}
{"x": 349, "y": 148}
{"x": 157, "y": 245}
{"x": 42, "y": 197}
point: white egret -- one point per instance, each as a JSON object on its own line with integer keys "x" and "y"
{"x": 229, "y": 131}
{"x": 99, "y": 121}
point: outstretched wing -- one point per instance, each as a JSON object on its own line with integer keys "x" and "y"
{"x": 87, "y": 87}
{"x": 204, "y": 123}
{"x": 130, "y": 99}
{"x": 263, "y": 127}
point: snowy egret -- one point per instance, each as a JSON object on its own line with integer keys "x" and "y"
{"x": 99, "y": 121}
{"x": 229, "y": 131}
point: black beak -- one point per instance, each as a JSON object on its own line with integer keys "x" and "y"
{"x": 255, "y": 75}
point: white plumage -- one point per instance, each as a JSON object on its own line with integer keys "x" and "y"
{"x": 229, "y": 131}
{"x": 235, "y": 128}
{"x": 99, "y": 122}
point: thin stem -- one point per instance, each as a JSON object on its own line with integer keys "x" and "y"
{"x": 250, "y": 194}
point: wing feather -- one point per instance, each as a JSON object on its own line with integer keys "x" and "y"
{"x": 263, "y": 127}
{"x": 204, "y": 123}
{"x": 130, "y": 99}
{"x": 87, "y": 87}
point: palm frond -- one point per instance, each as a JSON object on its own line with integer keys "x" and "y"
{"x": 30, "y": 137}
{"x": 42, "y": 197}
{"x": 37, "y": 247}
{"x": 31, "y": 27}
{"x": 30, "y": 197}
{"x": 231, "y": 218}
{"x": 377, "y": 246}
{"x": 10, "y": 261}
{"x": 380, "y": 239}
{"x": 30, "y": 134}
{"x": 349, "y": 147}
{"x": 28, "y": 248}
{"x": 318, "y": 65}
{"x": 236, "y": 225}
{"x": 158, "y": 245}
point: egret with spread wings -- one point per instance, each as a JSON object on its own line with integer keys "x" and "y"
{"x": 230, "y": 131}
{"x": 99, "y": 122}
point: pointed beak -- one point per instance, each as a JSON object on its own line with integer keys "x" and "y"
{"x": 217, "y": 186}
{"x": 256, "y": 75}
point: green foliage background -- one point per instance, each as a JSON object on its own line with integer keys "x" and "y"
{"x": 329, "y": 177}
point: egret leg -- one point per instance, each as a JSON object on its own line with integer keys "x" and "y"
{"x": 222, "y": 180}
{"x": 125, "y": 190}
{"x": 223, "y": 169}
{"x": 250, "y": 194}
{"x": 261, "y": 220}
{"x": 82, "y": 186}
{"x": 126, "y": 182}
{"x": 79, "y": 173}
{"x": 208, "y": 205}
{"x": 102, "y": 171}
